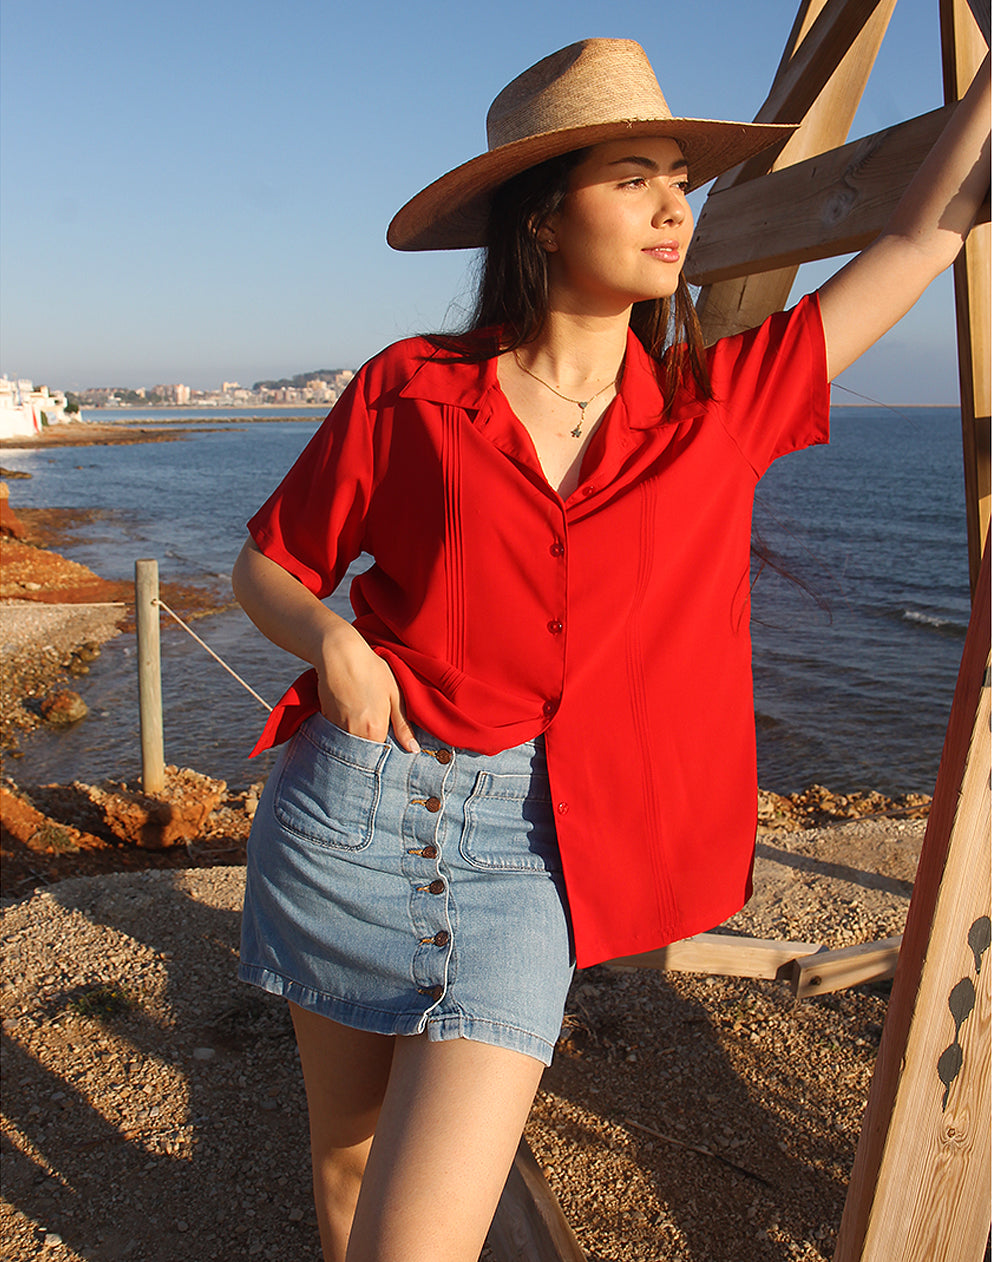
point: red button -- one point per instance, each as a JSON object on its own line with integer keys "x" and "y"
{"x": 562, "y": 808}
{"x": 588, "y": 490}
{"x": 557, "y": 549}
{"x": 556, "y": 628}
{"x": 549, "y": 709}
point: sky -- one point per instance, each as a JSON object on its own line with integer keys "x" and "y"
{"x": 198, "y": 191}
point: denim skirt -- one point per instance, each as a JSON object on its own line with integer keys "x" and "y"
{"x": 402, "y": 893}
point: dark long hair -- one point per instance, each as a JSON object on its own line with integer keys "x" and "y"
{"x": 512, "y": 292}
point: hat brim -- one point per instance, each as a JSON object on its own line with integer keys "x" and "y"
{"x": 450, "y": 214}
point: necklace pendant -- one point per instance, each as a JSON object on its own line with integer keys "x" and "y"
{"x": 577, "y": 432}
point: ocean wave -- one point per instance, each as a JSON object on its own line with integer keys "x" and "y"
{"x": 933, "y": 622}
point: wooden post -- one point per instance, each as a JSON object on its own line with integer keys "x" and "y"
{"x": 149, "y": 676}
{"x": 732, "y": 305}
{"x": 529, "y": 1225}
{"x": 964, "y": 45}
{"x": 919, "y": 1187}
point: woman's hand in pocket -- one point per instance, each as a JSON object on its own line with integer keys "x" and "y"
{"x": 358, "y": 692}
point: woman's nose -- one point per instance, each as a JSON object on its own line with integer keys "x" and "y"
{"x": 671, "y": 208}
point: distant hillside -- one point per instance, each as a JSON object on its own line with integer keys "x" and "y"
{"x": 302, "y": 379}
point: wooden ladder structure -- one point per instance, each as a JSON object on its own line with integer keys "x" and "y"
{"x": 919, "y": 1189}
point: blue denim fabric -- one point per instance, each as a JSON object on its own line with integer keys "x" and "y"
{"x": 399, "y": 892}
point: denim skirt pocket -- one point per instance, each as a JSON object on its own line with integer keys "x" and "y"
{"x": 329, "y": 786}
{"x": 508, "y": 825}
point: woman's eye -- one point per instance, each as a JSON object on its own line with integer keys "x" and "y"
{"x": 682, "y": 185}
{"x": 637, "y": 182}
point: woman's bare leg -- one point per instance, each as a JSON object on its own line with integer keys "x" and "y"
{"x": 445, "y": 1140}
{"x": 346, "y": 1072}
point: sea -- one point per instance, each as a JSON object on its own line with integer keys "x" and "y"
{"x": 858, "y": 622}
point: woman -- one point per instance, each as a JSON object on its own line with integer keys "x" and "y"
{"x": 535, "y": 742}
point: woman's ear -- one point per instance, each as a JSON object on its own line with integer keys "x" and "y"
{"x": 544, "y": 233}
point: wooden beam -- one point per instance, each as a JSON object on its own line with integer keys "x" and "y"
{"x": 980, "y": 12}
{"x": 834, "y": 203}
{"x": 828, "y": 971}
{"x": 919, "y": 1188}
{"x": 823, "y": 44}
{"x": 729, "y": 306}
{"x": 964, "y": 46}
{"x": 723, "y": 954}
{"x": 529, "y": 1225}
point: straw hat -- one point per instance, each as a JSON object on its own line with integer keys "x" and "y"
{"x": 596, "y": 90}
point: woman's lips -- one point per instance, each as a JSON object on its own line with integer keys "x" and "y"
{"x": 666, "y": 251}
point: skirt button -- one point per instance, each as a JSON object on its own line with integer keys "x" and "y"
{"x": 436, "y": 887}
{"x": 433, "y": 804}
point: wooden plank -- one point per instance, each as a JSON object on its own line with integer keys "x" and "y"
{"x": 729, "y": 306}
{"x": 980, "y": 12}
{"x": 833, "y": 203}
{"x": 964, "y": 46}
{"x": 828, "y": 971}
{"x": 919, "y": 1187}
{"x": 824, "y": 44}
{"x": 529, "y": 1225}
{"x": 826, "y": 35}
{"x": 723, "y": 954}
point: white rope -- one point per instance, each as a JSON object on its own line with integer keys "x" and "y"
{"x": 162, "y": 605}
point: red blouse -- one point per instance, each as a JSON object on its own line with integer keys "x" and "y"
{"x": 616, "y": 621}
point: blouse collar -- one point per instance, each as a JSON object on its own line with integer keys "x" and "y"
{"x": 439, "y": 379}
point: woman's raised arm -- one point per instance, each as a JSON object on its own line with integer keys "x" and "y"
{"x": 923, "y": 236}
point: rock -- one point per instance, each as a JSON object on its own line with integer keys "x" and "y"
{"x": 172, "y": 818}
{"x": 24, "y": 823}
{"x": 10, "y": 523}
{"x": 62, "y": 709}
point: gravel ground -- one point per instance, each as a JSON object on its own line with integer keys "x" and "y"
{"x": 154, "y": 1108}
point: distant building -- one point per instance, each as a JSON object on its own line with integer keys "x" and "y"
{"x": 25, "y": 410}
{"x": 173, "y": 394}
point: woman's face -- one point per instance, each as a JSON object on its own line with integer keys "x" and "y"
{"x": 621, "y": 233}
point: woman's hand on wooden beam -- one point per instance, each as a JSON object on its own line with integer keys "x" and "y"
{"x": 923, "y": 236}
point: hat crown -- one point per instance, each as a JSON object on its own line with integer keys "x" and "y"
{"x": 594, "y": 81}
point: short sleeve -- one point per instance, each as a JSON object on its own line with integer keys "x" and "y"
{"x": 313, "y": 523}
{"x": 770, "y": 384}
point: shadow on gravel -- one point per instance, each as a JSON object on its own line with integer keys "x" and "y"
{"x": 171, "y": 1123}
{"x": 718, "y": 1100}
{"x": 843, "y": 872}
{"x": 155, "y": 1109}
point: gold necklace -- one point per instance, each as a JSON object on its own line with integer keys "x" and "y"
{"x": 581, "y": 404}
